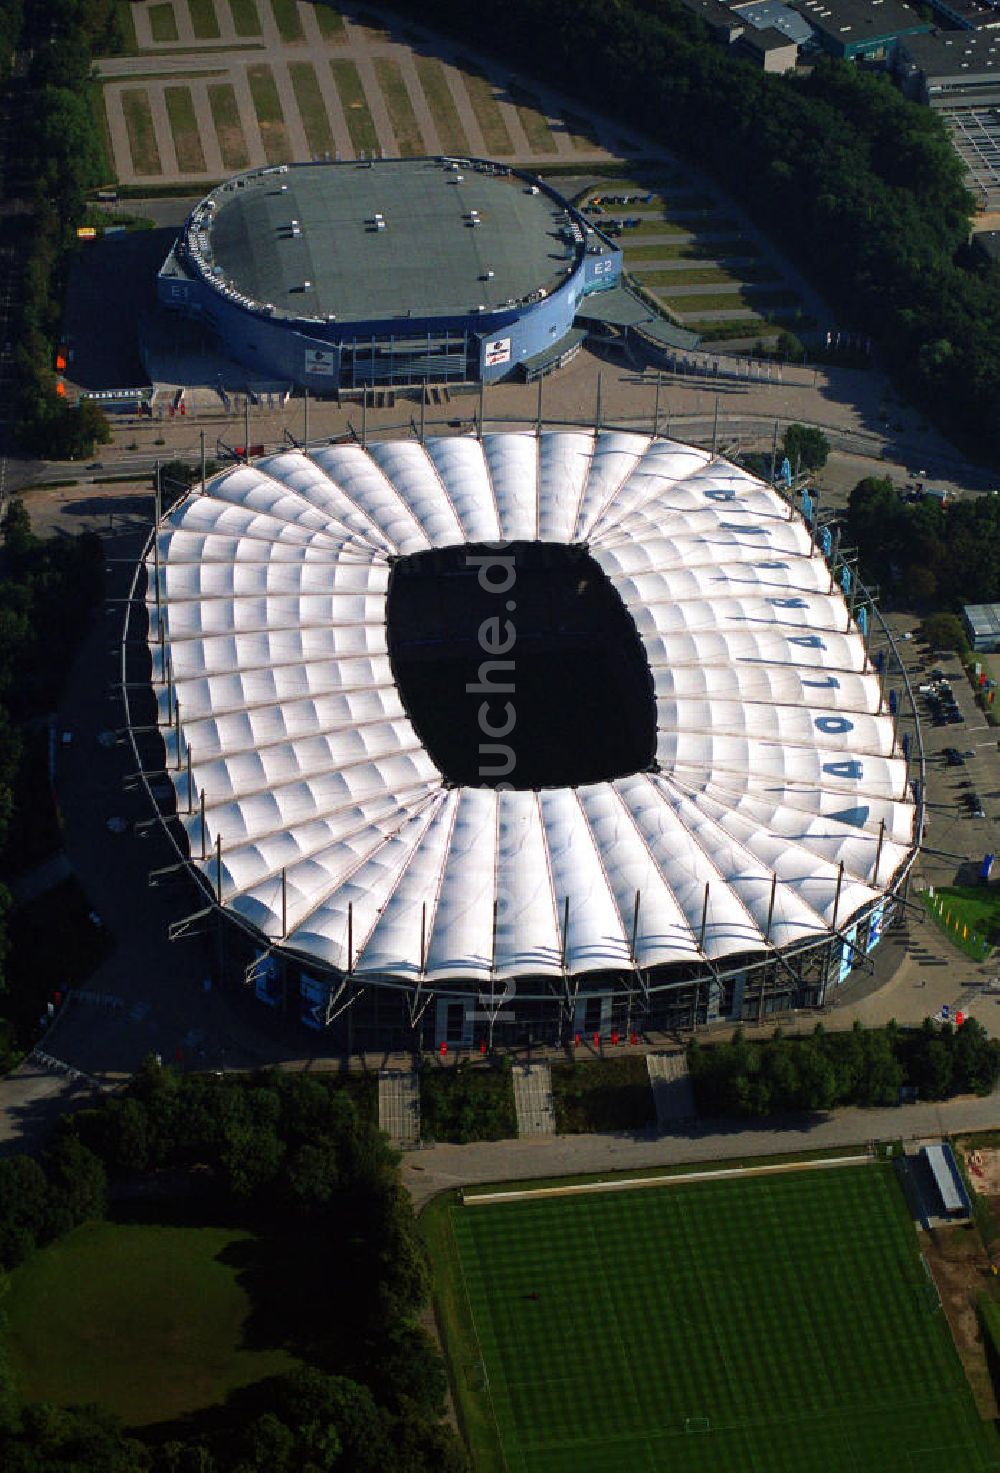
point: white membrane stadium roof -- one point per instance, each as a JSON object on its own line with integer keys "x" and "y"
{"x": 773, "y": 755}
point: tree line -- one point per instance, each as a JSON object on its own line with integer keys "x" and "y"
{"x": 859, "y": 1067}
{"x": 858, "y": 184}
{"x": 60, "y": 156}
{"x": 942, "y": 554}
{"x": 344, "y": 1278}
{"x": 47, "y": 592}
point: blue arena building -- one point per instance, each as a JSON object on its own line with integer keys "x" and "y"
{"x": 339, "y": 275}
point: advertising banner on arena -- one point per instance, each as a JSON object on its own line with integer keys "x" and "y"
{"x": 847, "y": 953}
{"x": 875, "y": 925}
{"x": 321, "y": 361}
{"x": 267, "y": 978}
{"x": 314, "y": 995}
{"x": 496, "y": 352}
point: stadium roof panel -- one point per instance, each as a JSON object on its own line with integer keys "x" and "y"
{"x": 777, "y": 789}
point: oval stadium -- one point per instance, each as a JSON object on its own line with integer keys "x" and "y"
{"x": 329, "y": 276}
{"x": 489, "y": 740}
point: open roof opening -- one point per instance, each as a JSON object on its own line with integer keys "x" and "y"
{"x": 520, "y": 666}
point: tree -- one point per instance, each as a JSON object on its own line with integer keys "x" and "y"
{"x": 875, "y": 521}
{"x": 24, "y": 1192}
{"x": 406, "y": 1372}
{"x": 817, "y": 1078}
{"x": 78, "y": 1184}
{"x": 806, "y": 447}
{"x": 49, "y": 1439}
{"x": 944, "y": 631}
{"x": 976, "y": 1058}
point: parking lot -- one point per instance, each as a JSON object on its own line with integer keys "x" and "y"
{"x": 963, "y": 771}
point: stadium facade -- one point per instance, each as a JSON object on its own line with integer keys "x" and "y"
{"x": 330, "y": 276}
{"x": 509, "y": 738}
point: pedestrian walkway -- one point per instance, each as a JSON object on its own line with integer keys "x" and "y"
{"x": 536, "y": 1111}
{"x": 671, "y": 1084}
{"x": 446, "y": 1167}
{"x": 399, "y": 1106}
{"x": 42, "y": 878}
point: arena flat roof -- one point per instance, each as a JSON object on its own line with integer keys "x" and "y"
{"x": 853, "y": 24}
{"x": 306, "y": 238}
{"x": 772, "y": 15}
{"x": 778, "y": 800}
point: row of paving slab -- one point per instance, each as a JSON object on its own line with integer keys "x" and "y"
{"x": 399, "y": 1098}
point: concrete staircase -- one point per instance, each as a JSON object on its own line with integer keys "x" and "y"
{"x": 399, "y": 1106}
{"x": 536, "y": 1113}
{"x": 671, "y": 1085}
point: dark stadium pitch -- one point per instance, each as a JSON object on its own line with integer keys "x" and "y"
{"x": 781, "y": 1324}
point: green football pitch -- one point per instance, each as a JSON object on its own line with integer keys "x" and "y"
{"x": 781, "y": 1324}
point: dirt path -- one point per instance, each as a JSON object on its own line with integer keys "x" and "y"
{"x": 960, "y": 1267}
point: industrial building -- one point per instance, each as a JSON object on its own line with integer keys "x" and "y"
{"x": 968, "y": 15}
{"x": 339, "y": 275}
{"x": 950, "y": 70}
{"x": 958, "y": 74}
{"x": 983, "y": 623}
{"x": 771, "y": 49}
{"x": 494, "y": 739}
{"x": 861, "y": 29}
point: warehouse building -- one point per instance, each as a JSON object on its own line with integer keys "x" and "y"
{"x": 861, "y": 29}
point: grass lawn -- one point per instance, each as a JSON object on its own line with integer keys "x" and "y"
{"x": 683, "y": 197}
{"x": 707, "y": 275}
{"x": 126, "y": 23}
{"x": 372, "y": 24}
{"x": 976, "y": 906}
{"x": 665, "y": 251}
{"x": 582, "y": 133}
{"x": 661, "y": 176}
{"x": 145, "y": 1321}
{"x": 716, "y": 250}
{"x": 139, "y": 125}
{"x": 288, "y": 21}
{"x": 228, "y": 128}
{"x": 658, "y": 225}
{"x": 331, "y": 22}
{"x": 246, "y": 18}
{"x": 746, "y": 327}
{"x": 667, "y": 281}
{"x": 409, "y": 139}
{"x": 312, "y": 108}
{"x": 772, "y": 1325}
{"x": 533, "y": 121}
{"x": 442, "y": 105}
{"x": 204, "y": 20}
{"x": 184, "y": 127}
{"x": 99, "y": 112}
{"x": 482, "y": 96}
{"x": 602, "y": 1094}
{"x": 267, "y": 106}
{"x": 163, "y": 22}
{"x": 352, "y": 98}
{"x": 740, "y": 296}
